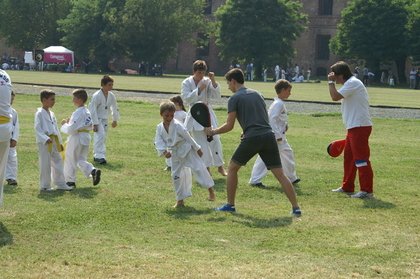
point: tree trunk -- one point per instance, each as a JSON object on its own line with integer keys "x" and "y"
{"x": 400, "y": 62}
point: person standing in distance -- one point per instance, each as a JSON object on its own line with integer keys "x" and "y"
{"x": 248, "y": 106}
{"x": 356, "y": 117}
{"x": 102, "y": 104}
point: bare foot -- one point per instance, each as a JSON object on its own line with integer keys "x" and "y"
{"x": 179, "y": 204}
{"x": 222, "y": 171}
{"x": 212, "y": 195}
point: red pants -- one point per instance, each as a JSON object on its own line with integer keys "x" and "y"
{"x": 356, "y": 158}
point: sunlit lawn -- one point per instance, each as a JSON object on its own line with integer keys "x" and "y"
{"x": 126, "y": 227}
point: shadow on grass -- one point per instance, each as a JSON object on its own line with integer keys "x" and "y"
{"x": 85, "y": 193}
{"x": 254, "y": 222}
{"x": 220, "y": 184}
{"x": 50, "y": 196}
{"x": 186, "y": 212}
{"x": 9, "y": 189}
{"x": 6, "y": 238}
{"x": 377, "y": 203}
{"x": 109, "y": 166}
{"x": 278, "y": 188}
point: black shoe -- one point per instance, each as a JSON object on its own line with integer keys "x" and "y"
{"x": 11, "y": 182}
{"x": 259, "y": 185}
{"x": 71, "y": 184}
{"x": 100, "y": 161}
{"x": 296, "y": 181}
{"x": 96, "y": 176}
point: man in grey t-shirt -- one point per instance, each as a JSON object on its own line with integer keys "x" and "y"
{"x": 248, "y": 106}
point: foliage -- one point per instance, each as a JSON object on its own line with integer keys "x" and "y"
{"x": 374, "y": 30}
{"x": 31, "y": 24}
{"x": 414, "y": 31}
{"x": 91, "y": 30}
{"x": 151, "y": 30}
{"x": 262, "y": 31}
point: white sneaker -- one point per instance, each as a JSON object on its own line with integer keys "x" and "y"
{"x": 362, "y": 195}
{"x": 340, "y": 190}
{"x": 64, "y": 188}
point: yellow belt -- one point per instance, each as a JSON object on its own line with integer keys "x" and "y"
{"x": 83, "y": 131}
{"x": 4, "y": 119}
{"x": 57, "y": 142}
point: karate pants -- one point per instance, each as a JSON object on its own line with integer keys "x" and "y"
{"x": 12, "y": 164}
{"x": 259, "y": 171}
{"x": 4, "y": 151}
{"x": 181, "y": 174}
{"x": 76, "y": 157}
{"x": 99, "y": 140}
{"x": 50, "y": 166}
{"x": 356, "y": 158}
{"x": 212, "y": 151}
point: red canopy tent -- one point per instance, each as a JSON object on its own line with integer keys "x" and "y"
{"x": 58, "y": 55}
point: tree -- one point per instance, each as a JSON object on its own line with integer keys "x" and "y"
{"x": 374, "y": 30}
{"x": 414, "y": 31}
{"x": 151, "y": 30}
{"x": 261, "y": 31}
{"x": 30, "y": 24}
{"x": 91, "y": 30}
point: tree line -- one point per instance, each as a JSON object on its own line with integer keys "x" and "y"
{"x": 258, "y": 31}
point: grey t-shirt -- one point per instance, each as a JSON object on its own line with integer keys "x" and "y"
{"x": 251, "y": 112}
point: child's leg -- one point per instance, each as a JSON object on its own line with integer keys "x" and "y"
{"x": 259, "y": 171}
{"x": 12, "y": 164}
{"x": 4, "y": 150}
{"x": 82, "y": 163}
{"x": 57, "y": 168}
{"x": 70, "y": 161}
{"x": 99, "y": 139}
{"x": 44, "y": 159}
{"x": 287, "y": 160}
{"x": 181, "y": 179}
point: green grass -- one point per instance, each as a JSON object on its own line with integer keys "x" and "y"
{"x": 126, "y": 227}
{"x": 305, "y": 92}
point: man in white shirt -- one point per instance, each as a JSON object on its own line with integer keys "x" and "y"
{"x": 356, "y": 117}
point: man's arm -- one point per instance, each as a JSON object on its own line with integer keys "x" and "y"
{"x": 335, "y": 96}
{"x": 226, "y": 127}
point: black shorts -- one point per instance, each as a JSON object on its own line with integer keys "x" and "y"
{"x": 264, "y": 145}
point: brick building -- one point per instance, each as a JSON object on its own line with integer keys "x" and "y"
{"x": 311, "y": 47}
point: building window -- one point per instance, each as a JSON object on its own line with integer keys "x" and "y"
{"x": 325, "y": 7}
{"x": 207, "y": 7}
{"x": 203, "y": 45}
{"x": 322, "y": 47}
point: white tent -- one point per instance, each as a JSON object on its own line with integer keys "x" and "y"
{"x": 59, "y": 55}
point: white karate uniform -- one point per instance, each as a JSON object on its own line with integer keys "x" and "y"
{"x": 100, "y": 107}
{"x": 212, "y": 151}
{"x": 50, "y": 161}
{"x": 12, "y": 161}
{"x": 77, "y": 147}
{"x": 179, "y": 115}
{"x": 277, "y": 114}
{"x": 5, "y": 125}
{"x": 184, "y": 158}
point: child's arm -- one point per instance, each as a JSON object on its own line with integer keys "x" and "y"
{"x": 182, "y": 131}
{"x": 41, "y": 137}
{"x": 114, "y": 111}
{"x": 213, "y": 88}
{"x": 160, "y": 144}
{"x": 93, "y": 112}
{"x": 15, "y": 130}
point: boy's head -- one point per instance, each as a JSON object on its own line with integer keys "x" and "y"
{"x": 106, "y": 79}
{"x": 81, "y": 95}
{"x": 237, "y": 75}
{"x": 283, "y": 89}
{"x": 199, "y": 65}
{"x": 47, "y": 97}
{"x": 167, "y": 111}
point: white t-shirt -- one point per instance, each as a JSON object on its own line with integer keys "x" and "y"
{"x": 355, "y": 104}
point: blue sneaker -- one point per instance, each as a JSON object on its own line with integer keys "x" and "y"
{"x": 226, "y": 207}
{"x": 296, "y": 212}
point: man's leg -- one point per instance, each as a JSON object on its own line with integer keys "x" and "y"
{"x": 287, "y": 186}
{"x": 232, "y": 182}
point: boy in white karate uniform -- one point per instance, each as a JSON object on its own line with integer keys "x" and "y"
{"x": 12, "y": 161}
{"x": 198, "y": 88}
{"x": 102, "y": 103}
{"x": 173, "y": 141}
{"x": 277, "y": 115}
{"x": 5, "y": 125}
{"x": 78, "y": 127}
{"x": 49, "y": 142}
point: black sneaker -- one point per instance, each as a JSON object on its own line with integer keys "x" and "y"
{"x": 259, "y": 185}
{"x": 11, "y": 182}
{"x": 296, "y": 181}
{"x": 71, "y": 184}
{"x": 100, "y": 161}
{"x": 168, "y": 168}
{"x": 96, "y": 176}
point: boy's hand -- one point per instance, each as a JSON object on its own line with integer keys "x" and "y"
{"x": 331, "y": 76}
{"x": 48, "y": 141}
{"x": 211, "y": 77}
{"x": 199, "y": 152}
{"x": 95, "y": 128}
{"x": 13, "y": 143}
{"x": 114, "y": 124}
{"x": 64, "y": 121}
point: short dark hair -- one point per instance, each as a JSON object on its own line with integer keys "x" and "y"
{"x": 167, "y": 106}
{"x": 342, "y": 68}
{"x": 178, "y": 100}
{"x": 46, "y": 93}
{"x": 81, "y": 94}
{"x": 235, "y": 74}
{"x": 199, "y": 65}
{"x": 282, "y": 84}
{"x": 106, "y": 79}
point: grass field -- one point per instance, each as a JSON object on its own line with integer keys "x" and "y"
{"x": 126, "y": 227}
{"x": 305, "y": 91}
